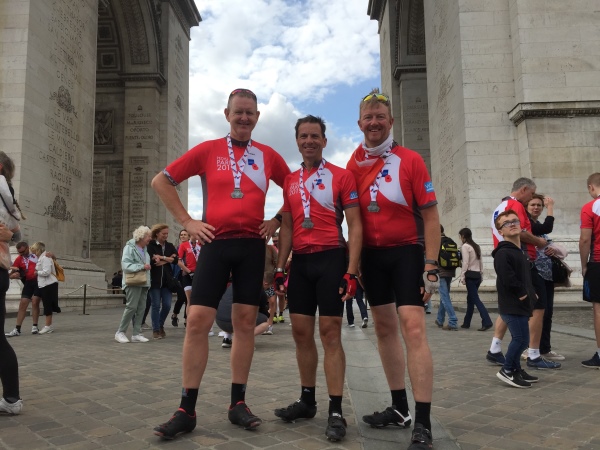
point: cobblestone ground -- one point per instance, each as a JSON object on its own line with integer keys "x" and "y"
{"x": 581, "y": 318}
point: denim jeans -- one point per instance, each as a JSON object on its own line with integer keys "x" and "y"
{"x": 361, "y": 305}
{"x": 160, "y": 296}
{"x": 473, "y": 301}
{"x": 519, "y": 330}
{"x": 446, "y": 303}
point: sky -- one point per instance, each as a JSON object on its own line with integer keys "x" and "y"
{"x": 299, "y": 56}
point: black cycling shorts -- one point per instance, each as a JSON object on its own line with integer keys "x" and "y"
{"x": 591, "y": 283}
{"x": 30, "y": 289}
{"x": 315, "y": 282}
{"x": 243, "y": 258}
{"x": 393, "y": 275}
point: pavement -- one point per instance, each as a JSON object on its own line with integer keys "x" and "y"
{"x": 83, "y": 390}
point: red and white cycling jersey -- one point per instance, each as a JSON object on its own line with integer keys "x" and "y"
{"x": 231, "y": 217}
{"x": 590, "y": 218}
{"x": 189, "y": 253}
{"x": 509, "y": 203}
{"x": 333, "y": 192}
{"x": 405, "y": 189}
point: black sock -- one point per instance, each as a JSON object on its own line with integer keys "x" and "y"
{"x": 18, "y": 327}
{"x": 400, "y": 401}
{"x": 238, "y": 393}
{"x": 335, "y": 404}
{"x": 12, "y": 400}
{"x": 308, "y": 395}
{"x": 35, "y": 325}
{"x": 188, "y": 400}
{"x": 422, "y": 412}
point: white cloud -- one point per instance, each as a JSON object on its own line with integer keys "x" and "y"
{"x": 289, "y": 53}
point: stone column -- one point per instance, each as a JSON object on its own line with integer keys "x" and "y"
{"x": 47, "y": 76}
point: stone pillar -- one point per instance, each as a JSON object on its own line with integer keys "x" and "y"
{"x": 47, "y": 78}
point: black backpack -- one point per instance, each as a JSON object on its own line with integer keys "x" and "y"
{"x": 449, "y": 257}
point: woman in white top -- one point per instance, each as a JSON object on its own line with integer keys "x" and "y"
{"x": 471, "y": 275}
{"x": 47, "y": 282}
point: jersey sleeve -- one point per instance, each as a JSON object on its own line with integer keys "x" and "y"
{"x": 348, "y": 191}
{"x": 191, "y": 163}
{"x": 587, "y": 219}
{"x": 181, "y": 253}
{"x": 424, "y": 193}
{"x": 280, "y": 169}
{"x": 18, "y": 262}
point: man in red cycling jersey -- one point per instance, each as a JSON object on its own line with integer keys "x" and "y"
{"x": 401, "y": 241}
{"x": 235, "y": 173}
{"x": 316, "y": 199}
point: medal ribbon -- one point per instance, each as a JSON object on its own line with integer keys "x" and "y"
{"x": 195, "y": 249}
{"x": 237, "y": 169}
{"x": 305, "y": 196}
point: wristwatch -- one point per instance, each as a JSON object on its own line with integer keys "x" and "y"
{"x": 433, "y": 262}
{"x": 279, "y": 270}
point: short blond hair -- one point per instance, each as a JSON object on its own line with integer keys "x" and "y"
{"x": 157, "y": 228}
{"x": 37, "y": 248}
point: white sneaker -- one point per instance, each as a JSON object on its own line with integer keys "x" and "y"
{"x": 11, "y": 408}
{"x": 269, "y": 330}
{"x": 35, "y": 330}
{"x": 553, "y": 356}
{"x": 211, "y": 333}
{"x": 14, "y": 332}
{"x": 139, "y": 338}
{"x": 365, "y": 323}
{"x": 525, "y": 354}
{"x": 350, "y": 325}
{"x": 121, "y": 338}
{"x": 47, "y": 329}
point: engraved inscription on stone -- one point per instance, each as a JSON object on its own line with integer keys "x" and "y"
{"x": 138, "y": 183}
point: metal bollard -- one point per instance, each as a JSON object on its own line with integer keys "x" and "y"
{"x": 84, "y": 298}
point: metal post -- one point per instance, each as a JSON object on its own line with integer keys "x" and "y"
{"x": 84, "y": 298}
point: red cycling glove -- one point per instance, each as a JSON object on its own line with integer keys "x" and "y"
{"x": 348, "y": 284}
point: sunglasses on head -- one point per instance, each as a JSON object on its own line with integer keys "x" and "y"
{"x": 378, "y": 97}
{"x": 243, "y": 91}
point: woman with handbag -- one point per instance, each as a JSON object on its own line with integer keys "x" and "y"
{"x": 471, "y": 276}
{"x": 47, "y": 282}
{"x": 135, "y": 264}
{"x": 162, "y": 283}
{"x": 543, "y": 264}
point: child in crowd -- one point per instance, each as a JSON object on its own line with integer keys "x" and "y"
{"x": 516, "y": 296}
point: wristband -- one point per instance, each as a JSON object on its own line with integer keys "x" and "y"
{"x": 279, "y": 270}
{"x": 433, "y": 262}
{"x": 278, "y": 217}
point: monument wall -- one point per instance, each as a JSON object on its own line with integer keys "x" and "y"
{"x": 93, "y": 95}
{"x": 51, "y": 89}
{"x": 513, "y": 90}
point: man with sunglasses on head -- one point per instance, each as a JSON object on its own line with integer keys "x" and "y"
{"x": 316, "y": 199}
{"x": 401, "y": 241}
{"x": 522, "y": 191}
{"x": 235, "y": 173}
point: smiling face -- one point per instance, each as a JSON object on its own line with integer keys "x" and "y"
{"x": 376, "y": 123}
{"x": 242, "y": 116}
{"x": 145, "y": 240}
{"x": 162, "y": 235}
{"x": 184, "y": 236}
{"x": 311, "y": 142}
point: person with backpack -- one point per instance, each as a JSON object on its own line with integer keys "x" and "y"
{"x": 449, "y": 261}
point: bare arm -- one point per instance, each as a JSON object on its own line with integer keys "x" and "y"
{"x": 585, "y": 244}
{"x": 285, "y": 239}
{"x": 168, "y": 195}
{"x": 528, "y": 238}
{"x": 355, "y": 234}
{"x": 431, "y": 220}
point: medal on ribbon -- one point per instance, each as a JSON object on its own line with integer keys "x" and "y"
{"x": 237, "y": 168}
{"x": 305, "y": 194}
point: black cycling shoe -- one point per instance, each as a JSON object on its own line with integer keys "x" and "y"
{"x": 336, "y": 427}
{"x": 241, "y": 415}
{"x": 391, "y": 416}
{"x": 181, "y": 422}
{"x": 297, "y": 410}
{"x": 174, "y": 320}
{"x": 421, "y": 438}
